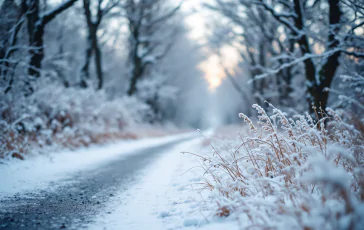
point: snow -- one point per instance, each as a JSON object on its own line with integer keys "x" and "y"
{"x": 163, "y": 198}
{"x": 39, "y": 172}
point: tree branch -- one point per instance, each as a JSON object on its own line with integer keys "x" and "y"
{"x": 49, "y": 16}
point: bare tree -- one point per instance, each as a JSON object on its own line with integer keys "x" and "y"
{"x": 146, "y": 20}
{"x": 36, "y": 22}
{"x": 319, "y": 76}
{"x": 320, "y": 30}
{"x": 93, "y": 46}
{"x": 253, "y": 32}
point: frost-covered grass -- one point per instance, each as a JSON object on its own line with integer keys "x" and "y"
{"x": 58, "y": 117}
{"x": 289, "y": 173}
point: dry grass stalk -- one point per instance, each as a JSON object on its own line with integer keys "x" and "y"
{"x": 280, "y": 169}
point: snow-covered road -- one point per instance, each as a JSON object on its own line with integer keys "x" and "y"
{"x": 38, "y": 173}
{"x": 165, "y": 197}
{"x": 74, "y": 189}
{"x": 144, "y": 184}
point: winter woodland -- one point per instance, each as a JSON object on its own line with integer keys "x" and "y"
{"x": 82, "y": 73}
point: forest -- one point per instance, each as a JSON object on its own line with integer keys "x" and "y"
{"x": 74, "y": 72}
{"x": 67, "y": 66}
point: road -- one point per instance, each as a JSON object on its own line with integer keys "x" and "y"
{"x": 75, "y": 203}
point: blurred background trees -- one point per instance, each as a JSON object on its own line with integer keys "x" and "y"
{"x": 64, "y": 63}
{"x": 56, "y": 41}
{"x": 78, "y": 71}
{"x": 291, "y": 45}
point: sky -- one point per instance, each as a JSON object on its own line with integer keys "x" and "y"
{"x": 214, "y": 65}
{"x": 223, "y": 102}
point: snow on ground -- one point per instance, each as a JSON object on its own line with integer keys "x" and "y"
{"x": 164, "y": 195}
{"x": 164, "y": 198}
{"x": 39, "y": 172}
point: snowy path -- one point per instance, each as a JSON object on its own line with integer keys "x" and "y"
{"x": 73, "y": 189}
{"x": 164, "y": 198}
{"x": 157, "y": 201}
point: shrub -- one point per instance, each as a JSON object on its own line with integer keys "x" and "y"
{"x": 290, "y": 173}
{"x": 64, "y": 117}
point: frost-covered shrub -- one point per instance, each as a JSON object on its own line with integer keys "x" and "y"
{"x": 70, "y": 117}
{"x": 157, "y": 93}
{"x": 290, "y": 173}
{"x": 352, "y": 97}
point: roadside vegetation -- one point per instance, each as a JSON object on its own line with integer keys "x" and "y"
{"x": 78, "y": 119}
{"x": 297, "y": 172}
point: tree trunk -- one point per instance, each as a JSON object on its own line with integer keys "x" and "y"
{"x": 35, "y": 36}
{"x": 93, "y": 46}
{"x": 37, "y": 52}
{"x": 328, "y": 70}
{"x": 310, "y": 68}
{"x": 262, "y": 82}
{"x": 136, "y": 75}
{"x": 85, "y": 74}
{"x": 137, "y": 64}
{"x": 316, "y": 83}
{"x": 98, "y": 63}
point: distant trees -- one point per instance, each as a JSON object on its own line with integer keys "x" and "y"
{"x": 152, "y": 33}
{"x": 277, "y": 36}
{"x": 116, "y": 45}
{"x": 147, "y": 20}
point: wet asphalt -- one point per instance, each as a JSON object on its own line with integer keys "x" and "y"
{"x": 76, "y": 201}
